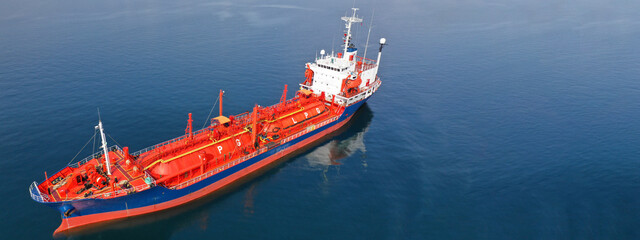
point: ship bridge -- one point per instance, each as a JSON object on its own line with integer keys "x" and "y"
{"x": 334, "y": 64}
{"x": 345, "y": 75}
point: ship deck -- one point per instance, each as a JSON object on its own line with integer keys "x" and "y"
{"x": 71, "y": 186}
{"x": 194, "y": 156}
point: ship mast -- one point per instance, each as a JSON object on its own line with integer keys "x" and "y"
{"x": 348, "y": 21}
{"x": 104, "y": 147}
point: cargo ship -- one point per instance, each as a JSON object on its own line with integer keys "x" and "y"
{"x": 115, "y": 183}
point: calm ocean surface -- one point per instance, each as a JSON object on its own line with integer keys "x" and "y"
{"x": 496, "y": 119}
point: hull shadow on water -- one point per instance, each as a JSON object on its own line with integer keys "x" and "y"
{"x": 161, "y": 225}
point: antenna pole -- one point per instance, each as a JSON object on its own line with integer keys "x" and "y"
{"x": 367, "y": 45}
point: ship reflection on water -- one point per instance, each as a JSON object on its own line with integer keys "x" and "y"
{"x": 348, "y": 141}
{"x": 342, "y": 144}
{"x": 345, "y": 143}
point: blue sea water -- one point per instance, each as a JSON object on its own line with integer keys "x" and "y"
{"x": 496, "y": 119}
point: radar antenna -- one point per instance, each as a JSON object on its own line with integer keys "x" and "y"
{"x": 348, "y": 22}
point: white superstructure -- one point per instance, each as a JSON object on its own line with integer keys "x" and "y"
{"x": 344, "y": 77}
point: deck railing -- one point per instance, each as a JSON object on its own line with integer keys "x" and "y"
{"x": 85, "y": 160}
{"x": 92, "y": 156}
{"x": 247, "y": 157}
{"x": 121, "y": 192}
{"x": 243, "y": 118}
{"x": 36, "y": 194}
{"x": 216, "y": 170}
{"x": 368, "y": 63}
{"x": 346, "y": 101}
{"x": 40, "y": 197}
{"x": 148, "y": 176}
{"x": 129, "y": 190}
{"x": 366, "y": 60}
{"x": 114, "y": 193}
{"x": 364, "y": 91}
{"x": 147, "y": 149}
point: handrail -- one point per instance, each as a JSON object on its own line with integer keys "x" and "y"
{"x": 240, "y": 118}
{"x": 292, "y": 113}
{"x": 129, "y": 190}
{"x": 115, "y": 193}
{"x": 147, "y": 175}
{"x": 37, "y": 195}
{"x": 368, "y": 64}
{"x": 118, "y": 192}
{"x": 90, "y": 157}
{"x": 192, "y": 151}
{"x": 347, "y": 101}
{"x": 366, "y": 60}
{"x": 246, "y": 157}
{"x": 40, "y": 197}
{"x": 147, "y": 149}
{"x": 214, "y": 171}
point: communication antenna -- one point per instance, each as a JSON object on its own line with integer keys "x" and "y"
{"x": 348, "y": 22}
{"x": 333, "y": 41}
{"x": 369, "y": 34}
